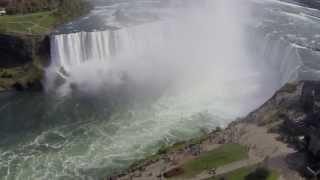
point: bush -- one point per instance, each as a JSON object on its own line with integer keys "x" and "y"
{"x": 65, "y": 8}
{"x": 259, "y": 174}
{"x": 31, "y": 6}
{"x": 69, "y": 9}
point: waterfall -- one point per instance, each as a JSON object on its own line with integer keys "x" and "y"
{"x": 291, "y": 61}
{"x": 101, "y": 50}
{"x": 73, "y": 49}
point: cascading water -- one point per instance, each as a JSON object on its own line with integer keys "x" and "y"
{"x": 73, "y": 49}
{"x": 281, "y": 56}
{"x": 126, "y": 91}
{"x": 289, "y": 36}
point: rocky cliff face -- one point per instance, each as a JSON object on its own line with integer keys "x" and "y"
{"x": 22, "y": 59}
{"x": 14, "y": 51}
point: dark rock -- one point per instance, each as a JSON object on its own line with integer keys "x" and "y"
{"x": 14, "y": 51}
{"x": 23, "y": 58}
{"x": 18, "y": 87}
{"x": 259, "y": 174}
{"x": 308, "y": 96}
{"x": 35, "y": 86}
{"x": 29, "y": 86}
{"x": 42, "y": 49}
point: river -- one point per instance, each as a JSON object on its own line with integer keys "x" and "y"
{"x": 133, "y": 76}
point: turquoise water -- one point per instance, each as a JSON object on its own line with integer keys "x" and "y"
{"x": 88, "y": 137}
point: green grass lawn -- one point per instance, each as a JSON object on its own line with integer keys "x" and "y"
{"x": 33, "y": 23}
{"x": 221, "y": 156}
{"x": 242, "y": 174}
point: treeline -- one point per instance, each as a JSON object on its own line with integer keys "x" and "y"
{"x": 30, "y": 6}
{"x": 67, "y": 7}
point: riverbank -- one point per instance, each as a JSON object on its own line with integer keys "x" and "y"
{"x": 25, "y": 42}
{"x": 22, "y": 60}
{"x": 262, "y": 137}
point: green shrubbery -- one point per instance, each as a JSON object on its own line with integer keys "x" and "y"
{"x": 65, "y": 8}
{"x": 249, "y": 173}
{"x": 31, "y": 6}
{"x": 69, "y": 9}
{"x": 259, "y": 174}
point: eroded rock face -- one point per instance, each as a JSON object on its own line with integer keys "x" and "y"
{"x": 310, "y": 98}
{"x": 293, "y": 112}
{"x": 22, "y": 59}
{"x": 14, "y": 51}
{"x": 18, "y": 50}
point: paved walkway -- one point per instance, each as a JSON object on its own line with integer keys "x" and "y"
{"x": 262, "y": 145}
{"x": 228, "y": 168}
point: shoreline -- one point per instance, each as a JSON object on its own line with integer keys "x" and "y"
{"x": 259, "y": 133}
{"x": 26, "y": 51}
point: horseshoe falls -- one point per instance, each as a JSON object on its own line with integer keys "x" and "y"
{"x": 133, "y": 76}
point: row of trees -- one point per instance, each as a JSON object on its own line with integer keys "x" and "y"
{"x": 69, "y": 9}
{"x": 29, "y": 6}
